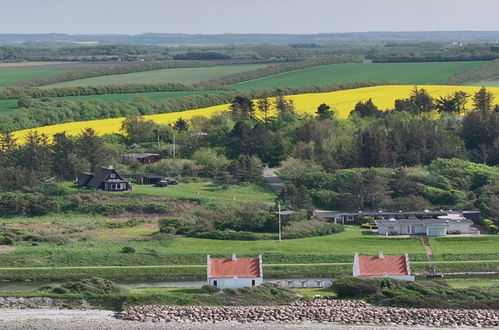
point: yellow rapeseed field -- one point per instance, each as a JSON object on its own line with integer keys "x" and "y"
{"x": 342, "y": 101}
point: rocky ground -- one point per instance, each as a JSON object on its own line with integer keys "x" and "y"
{"x": 53, "y": 319}
{"x": 335, "y": 311}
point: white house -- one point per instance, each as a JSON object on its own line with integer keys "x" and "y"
{"x": 396, "y": 267}
{"x": 452, "y": 223}
{"x": 235, "y": 272}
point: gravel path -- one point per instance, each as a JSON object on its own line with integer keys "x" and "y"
{"x": 35, "y": 319}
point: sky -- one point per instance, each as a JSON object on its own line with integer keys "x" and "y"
{"x": 244, "y": 16}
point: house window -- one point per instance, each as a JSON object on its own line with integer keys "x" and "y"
{"x": 215, "y": 282}
{"x": 253, "y": 282}
{"x": 436, "y": 231}
{"x": 112, "y": 176}
{"x": 391, "y": 228}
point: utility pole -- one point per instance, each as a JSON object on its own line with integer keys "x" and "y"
{"x": 157, "y": 131}
{"x": 173, "y": 145}
{"x": 279, "y": 215}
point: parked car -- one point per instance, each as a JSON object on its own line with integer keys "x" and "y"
{"x": 161, "y": 183}
{"x": 171, "y": 181}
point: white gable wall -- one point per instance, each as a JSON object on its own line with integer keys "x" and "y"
{"x": 234, "y": 283}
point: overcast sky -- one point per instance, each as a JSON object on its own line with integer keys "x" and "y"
{"x": 244, "y": 16}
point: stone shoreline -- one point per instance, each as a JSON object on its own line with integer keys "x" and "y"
{"x": 345, "y": 312}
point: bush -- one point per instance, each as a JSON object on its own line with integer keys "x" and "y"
{"x": 174, "y": 226}
{"x": 353, "y": 287}
{"x": 128, "y": 249}
{"x": 232, "y": 235}
{"x": 310, "y": 228}
{"x": 94, "y": 285}
{"x": 50, "y": 189}
{"x": 209, "y": 289}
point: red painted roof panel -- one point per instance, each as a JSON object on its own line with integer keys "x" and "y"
{"x": 241, "y": 268}
{"x": 388, "y": 265}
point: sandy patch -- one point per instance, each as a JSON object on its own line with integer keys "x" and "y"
{"x": 4, "y": 249}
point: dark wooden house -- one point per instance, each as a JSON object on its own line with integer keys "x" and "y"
{"x": 141, "y": 158}
{"x": 106, "y": 179}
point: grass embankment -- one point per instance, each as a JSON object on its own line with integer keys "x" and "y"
{"x": 178, "y": 75}
{"x": 402, "y": 73}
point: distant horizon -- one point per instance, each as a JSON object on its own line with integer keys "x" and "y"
{"x": 247, "y": 33}
{"x": 131, "y": 17}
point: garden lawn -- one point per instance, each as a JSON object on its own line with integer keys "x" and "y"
{"x": 175, "y": 75}
{"x": 464, "y": 245}
{"x": 208, "y": 192}
{"x": 402, "y": 73}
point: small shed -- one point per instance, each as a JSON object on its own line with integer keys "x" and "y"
{"x": 141, "y": 158}
{"x": 396, "y": 267}
{"x": 234, "y": 272}
{"x": 151, "y": 178}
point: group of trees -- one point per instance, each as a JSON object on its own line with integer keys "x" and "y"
{"x": 38, "y": 160}
{"x": 400, "y": 188}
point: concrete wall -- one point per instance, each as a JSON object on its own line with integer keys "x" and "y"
{"x": 463, "y": 228}
{"x": 399, "y": 277}
{"x": 234, "y": 283}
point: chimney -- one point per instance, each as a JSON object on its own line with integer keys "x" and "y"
{"x": 381, "y": 255}
{"x": 110, "y": 167}
{"x": 234, "y": 258}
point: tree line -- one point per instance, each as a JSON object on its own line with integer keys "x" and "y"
{"x": 38, "y": 112}
{"x": 9, "y": 93}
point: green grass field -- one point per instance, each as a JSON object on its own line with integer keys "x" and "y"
{"x": 182, "y": 250}
{"x": 177, "y": 75}
{"x": 208, "y": 192}
{"x": 471, "y": 245}
{"x": 7, "y": 106}
{"x": 7, "y": 78}
{"x": 403, "y": 73}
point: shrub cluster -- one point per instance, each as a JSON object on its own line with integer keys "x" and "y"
{"x": 310, "y": 228}
{"x": 427, "y": 294}
{"x": 29, "y": 204}
{"x": 92, "y": 286}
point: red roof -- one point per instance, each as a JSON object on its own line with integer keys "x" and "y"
{"x": 388, "y": 265}
{"x": 241, "y": 268}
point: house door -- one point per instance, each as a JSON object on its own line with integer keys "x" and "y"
{"x": 411, "y": 230}
{"x": 253, "y": 283}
